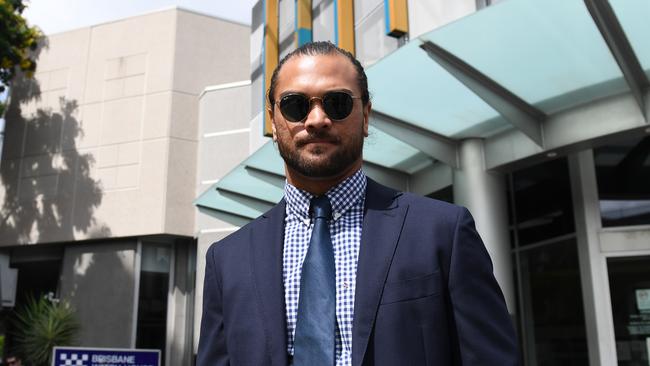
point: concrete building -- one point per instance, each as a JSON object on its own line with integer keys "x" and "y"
{"x": 99, "y": 173}
{"x": 532, "y": 114}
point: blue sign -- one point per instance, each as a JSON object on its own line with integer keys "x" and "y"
{"x": 80, "y": 356}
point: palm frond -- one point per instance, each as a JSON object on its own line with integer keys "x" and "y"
{"x": 41, "y": 325}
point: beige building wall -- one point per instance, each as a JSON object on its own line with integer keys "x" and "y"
{"x": 104, "y": 142}
{"x": 224, "y": 143}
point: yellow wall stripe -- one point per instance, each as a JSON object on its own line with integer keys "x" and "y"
{"x": 271, "y": 52}
{"x": 303, "y": 22}
{"x": 396, "y": 16}
{"x": 344, "y": 29}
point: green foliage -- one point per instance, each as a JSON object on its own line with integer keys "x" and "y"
{"x": 17, "y": 39}
{"x": 17, "y": 42}
{"x": 42, "y": 324}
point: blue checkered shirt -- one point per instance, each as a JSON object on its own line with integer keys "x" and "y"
{"x": 347, "y": 201}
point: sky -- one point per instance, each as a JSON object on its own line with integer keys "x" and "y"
{"x": 54, "y": 16}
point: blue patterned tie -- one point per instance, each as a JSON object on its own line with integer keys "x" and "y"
{"x": 314, "y": 342}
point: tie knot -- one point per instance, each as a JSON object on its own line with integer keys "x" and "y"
{"x": 321, "y": 207}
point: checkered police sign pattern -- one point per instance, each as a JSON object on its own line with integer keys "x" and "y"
{"x": 73, "y": 359}
{"x": 77, "y": 356}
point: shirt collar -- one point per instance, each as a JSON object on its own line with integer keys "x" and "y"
{"x": 343, "y": 196}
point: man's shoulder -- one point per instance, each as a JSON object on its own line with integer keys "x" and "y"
{"x": 428, "y": 203}
{"x": 416, "y": 201}
{"x": 431, "y": 211}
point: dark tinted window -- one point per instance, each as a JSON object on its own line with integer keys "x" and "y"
{"x": 623, "y": 175}
{"x": 152, "y": 298}
{"x": 542, "y": 202}
{"x": 629, "y": 283}
{"x": 446, "y": 194}
{"x": 552, "y": 305}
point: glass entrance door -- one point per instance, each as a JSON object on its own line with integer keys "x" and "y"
{"x": 629, "y": 281}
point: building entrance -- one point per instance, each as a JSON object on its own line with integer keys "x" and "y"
{"x": 544, "y": 249}
{"x": 629, "y": 282}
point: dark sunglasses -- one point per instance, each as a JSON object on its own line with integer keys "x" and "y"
{"x": 337, "y": 105}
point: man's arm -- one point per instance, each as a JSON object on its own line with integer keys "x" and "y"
{"x": 212, "y": 341}
{"x": 485, "y": 331}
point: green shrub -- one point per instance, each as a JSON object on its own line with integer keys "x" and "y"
{"x": 42, "y": 324}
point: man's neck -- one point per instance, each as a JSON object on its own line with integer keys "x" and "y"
{"x": 319, "y": 186}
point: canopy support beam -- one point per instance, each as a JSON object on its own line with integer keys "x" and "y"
{"x": 520, "y": 114}
{"x": 436, "y": 146}
{"x": 612, "y": 31}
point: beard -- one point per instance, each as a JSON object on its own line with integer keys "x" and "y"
{"x": 346, "y": 154}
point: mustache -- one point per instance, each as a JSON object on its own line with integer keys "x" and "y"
{"x": 319, "y": 136}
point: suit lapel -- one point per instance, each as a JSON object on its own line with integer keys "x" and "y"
{"x": 382, "y": 225}
{"x": 267, "y": 241}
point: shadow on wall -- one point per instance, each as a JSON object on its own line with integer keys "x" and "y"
{"x": 49, "y": 193}
{"x": 98, "y": 281}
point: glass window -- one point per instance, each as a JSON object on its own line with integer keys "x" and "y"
{"x": 446, "y": 194}
{"x": 542, "y": 202}
{"x": 629, "y": 282}
{"x": 152, "y": 299}
{"x": 323, "y": 20}
{"x": 287, "y": 20}
{"x": 549, "y": 297}
{"x": 551, "y": 305}
{"x": 623, "y": 176}
{"x": 364, "y": 7}
{"x": 371, "y": 39}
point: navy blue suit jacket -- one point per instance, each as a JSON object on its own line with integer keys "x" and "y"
{"x": 425, "y": 292}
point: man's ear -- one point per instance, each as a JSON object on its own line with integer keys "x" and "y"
{"x": 366, "y": 118}
{"x": 269, "y": 110}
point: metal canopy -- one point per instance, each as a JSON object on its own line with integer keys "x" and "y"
{"x": 527, "y": 76}
{"x": 257, "y": 183}
{"x": 519, "y": 113}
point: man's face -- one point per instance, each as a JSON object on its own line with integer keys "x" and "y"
{"x": 318, "y": 147}
{"x": 13, "y": 361}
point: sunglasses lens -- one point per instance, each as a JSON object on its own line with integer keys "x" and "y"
{"x": 294, "y": 107}
{"x": 337, "y": 105}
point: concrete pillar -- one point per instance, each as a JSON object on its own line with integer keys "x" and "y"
{"x": 599, "y": 320}
{"x": 484, "y": 194}
{"x": 180, "y": 314}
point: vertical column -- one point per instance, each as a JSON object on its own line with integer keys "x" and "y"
{"x": 271, "y": 52}
{"x": 593, "y": 266}
{"x": 344, "y": 24}
{"x": 484, "y": 194}
{"x": 396, "y": 18}
{"x": 181, "y": 303}
{"x": 303, "y": 22}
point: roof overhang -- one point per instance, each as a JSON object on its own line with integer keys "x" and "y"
{"x": 530, "y": 78}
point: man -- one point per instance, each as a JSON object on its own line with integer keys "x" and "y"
{"x": 345, "y": 271}
{"x": 13, "y": 360}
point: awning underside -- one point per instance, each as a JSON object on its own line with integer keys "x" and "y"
{"x": 526, "y": 76}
